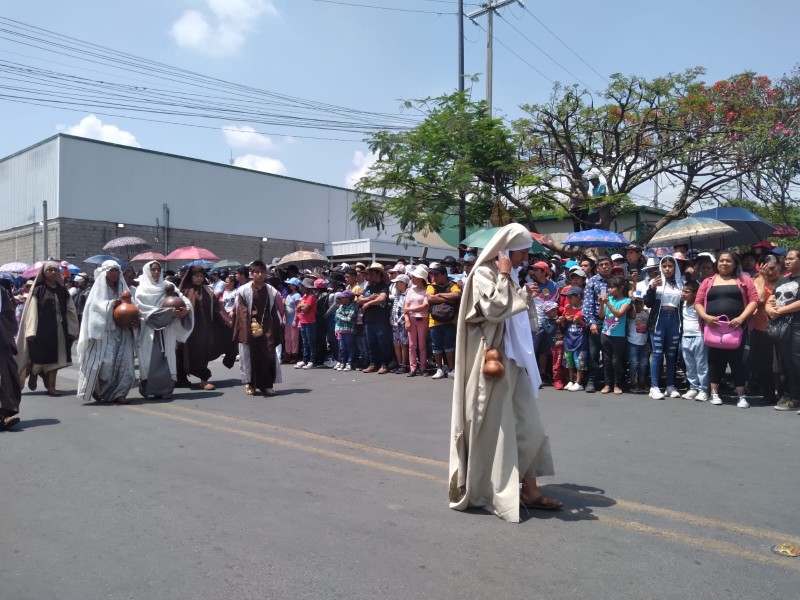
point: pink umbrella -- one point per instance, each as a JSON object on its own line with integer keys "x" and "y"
{"x": 191, "y": 253}
{"x": 147, "y": 256}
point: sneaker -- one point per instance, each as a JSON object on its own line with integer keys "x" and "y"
{"x": 309, "y": 365}
{"x": 701, "y": 396}
{"x": 590, "y": 388}
{"x": 576, "y": 387}
{"x": 715, "y": 399}
{"x": 439, "y": 374}
{"x": 690, "y": 395}
{"x": 299, "y": 364}
{"x": 348, "y": 368}
{"x": 787, "y": 405}
{"x": 672, "y": 392}
{"x": 743, "y": 403}
{"x": 656, "y": 394}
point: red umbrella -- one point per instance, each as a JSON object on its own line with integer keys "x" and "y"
{"x": 146, "y": 256}
{"x": 784, "y": 231}
{"x": 191, "y": 253}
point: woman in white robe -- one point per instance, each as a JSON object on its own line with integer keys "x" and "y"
{"x": 498, "y": 445}
{"x": 161, "y": 331}
{"x": 105, "y": 350}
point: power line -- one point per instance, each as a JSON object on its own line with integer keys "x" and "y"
{"x": 551, "y": 32}
{"x": 532, "y": 43}
{"x": 391, "y": 8}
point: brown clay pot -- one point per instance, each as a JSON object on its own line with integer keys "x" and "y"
{"x": 126, "y": 314}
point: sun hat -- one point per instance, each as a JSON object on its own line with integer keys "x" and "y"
{"x": 402, "y": 277}
{"x": 320, "y": 284}
{"x": 420, "y": 272}
{"x": 293, "y": 281}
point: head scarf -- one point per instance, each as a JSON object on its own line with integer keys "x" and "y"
{"x": 94, "y": 324}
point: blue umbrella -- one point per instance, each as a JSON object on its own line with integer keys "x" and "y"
{"x": 596, "y": 237}
{"x": 749, "y": 228}
{"x": 99, "y": 259}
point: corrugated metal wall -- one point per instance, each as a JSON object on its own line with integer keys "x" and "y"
{"x": 26, "y": 179}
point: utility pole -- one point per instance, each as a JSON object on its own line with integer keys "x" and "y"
{"x": 45, "y": 246}
{"x": 489, "y": 10}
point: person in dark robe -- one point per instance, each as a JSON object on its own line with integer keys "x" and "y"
{"x": 10, "y": 390}
{"x": 161, "y": 329}
{"x": 48, "y": 327}
{"x": 257, "y": 328}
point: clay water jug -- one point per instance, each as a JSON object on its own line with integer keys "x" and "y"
{"x": 172, "y": 299}
{"x": 126, "y": 314}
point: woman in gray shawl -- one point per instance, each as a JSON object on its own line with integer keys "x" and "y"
{"x": 498, "y": 445}
{"x": 161, "y": 330}
{"x": 105, "y": 350}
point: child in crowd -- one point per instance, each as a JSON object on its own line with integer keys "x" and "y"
{"x": 345, "y": 326}
{"x": 574, "y": 338}
{"x": 693, "y": 347}
{"x": 614, "y": 312}
{"x": 400, "y": 323}
{"x": 553, "y": 329}
{"x": 637, "y": 344}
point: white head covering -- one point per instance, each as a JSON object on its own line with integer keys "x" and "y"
{"x": 94, "y": 324}
{"x": 517, "y": 336}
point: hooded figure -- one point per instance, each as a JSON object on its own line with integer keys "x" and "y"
{"x": 105, "y": 350}
{"x": 48, "y": 326}
{"x": 497, "y": 439}
{"x": 161, "y": 331}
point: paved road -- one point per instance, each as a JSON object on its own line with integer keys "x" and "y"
{"x": 336, "y": 488}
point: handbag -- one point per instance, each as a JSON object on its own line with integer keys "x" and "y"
{"x": 779, "y": 329}
{"x": 724, "y": 336}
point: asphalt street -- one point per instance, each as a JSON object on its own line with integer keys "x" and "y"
{"x": 337, "y": 488}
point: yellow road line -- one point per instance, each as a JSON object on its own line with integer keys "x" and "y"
{"x": 290, "y": 444}
{"x": 699, "y": 542}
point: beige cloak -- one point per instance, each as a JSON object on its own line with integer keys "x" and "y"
{"x": 497, "y": 438}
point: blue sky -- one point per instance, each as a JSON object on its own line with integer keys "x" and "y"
{"x": 372, "y": 59}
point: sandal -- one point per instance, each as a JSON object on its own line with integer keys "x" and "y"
{"x": 541, "y": 502}
{"x": 248, "y": 389}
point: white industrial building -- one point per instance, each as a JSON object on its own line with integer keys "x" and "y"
{"x": 95, "y": 191}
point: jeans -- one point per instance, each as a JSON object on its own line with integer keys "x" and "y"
{"x": 696, "y": 360}
{"x": 637, "y": 363}
{"x": 664, "y": 339}
{"x": 347, "y": 348}
{"x": 614, "y": 359}
{"x": 308, "y": 334}
{"x": 379, "y": 339}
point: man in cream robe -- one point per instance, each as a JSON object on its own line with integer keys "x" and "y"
{"x": 497, "y": 439}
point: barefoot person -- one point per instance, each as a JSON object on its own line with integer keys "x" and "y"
{"x": 47, "y": 329}
{"x": 497, "y": 440}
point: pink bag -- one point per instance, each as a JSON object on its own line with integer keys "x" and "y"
{"x": 724, "y": 336}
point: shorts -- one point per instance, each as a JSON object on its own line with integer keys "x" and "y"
{"x": 400, "y": 335}
{"x": 575, "y": 359}
{"x": 443, "y": 338}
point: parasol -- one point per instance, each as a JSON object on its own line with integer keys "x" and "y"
{"x": 148, "y": 256}
{"x": 99, "y": 259}
{"x": 14, "y": 267}
{"x": 191, "y": 253}
{"x": 596, "y": 237}
{"x": 692, "y": 230}
{"x": 482, "y": 237}
{"x": 749, "y": 228}
{"x": 304, "y": 258}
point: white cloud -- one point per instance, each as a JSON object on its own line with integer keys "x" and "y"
{"x": 244, "y": 137}
{"x": 92, "y": 127}
{"x": 255, "y": 162}
{"x": 222, "y": 28}
{"x": 362, "y": 161}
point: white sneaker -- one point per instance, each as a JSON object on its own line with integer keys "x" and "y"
{"x": 672, "y": 392}
{"x": 308, "y": 366}
{"x": 715, "y": 399}
{"x": 743, "y": 403}
{"x": 656, "y": 394}
{"x": 701, "y": 396}
{"x": 348, "y": 368}
{"x": 576, "y": 387}
{"x": 439, "y": 374}
{"x": 299, "y": 364}
{"x": 690, "y": 395}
